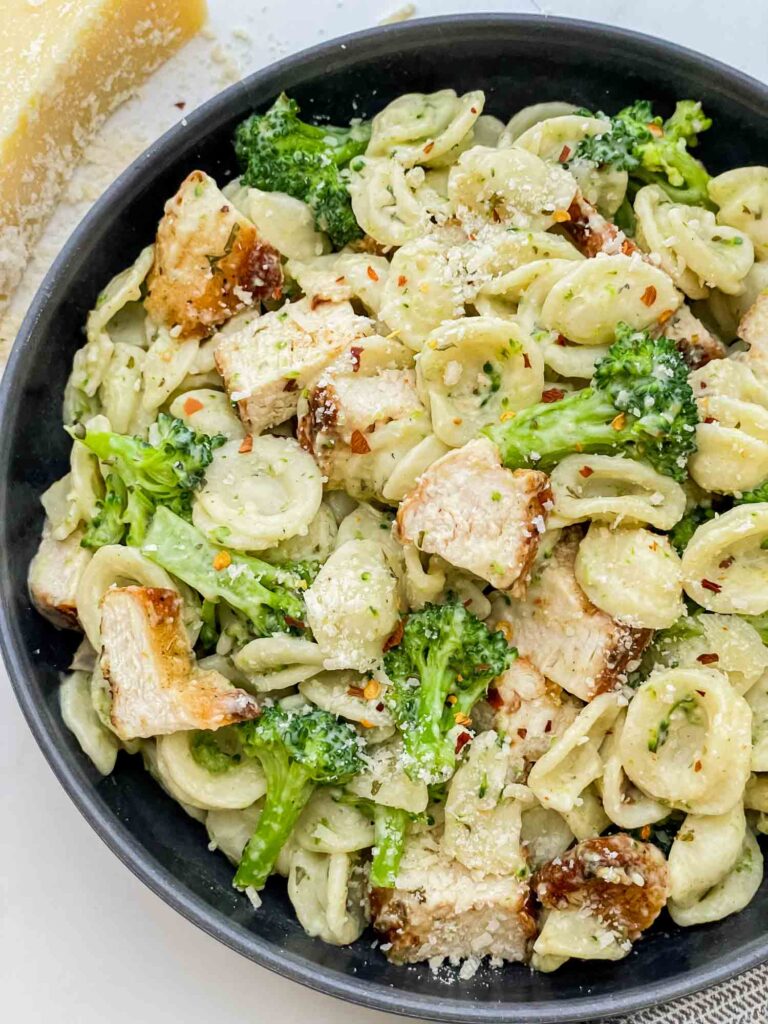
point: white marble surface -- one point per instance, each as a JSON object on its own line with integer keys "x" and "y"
{"x": 81, "y": 941}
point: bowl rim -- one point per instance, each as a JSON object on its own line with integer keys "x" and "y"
{"x": 72, "y": 776}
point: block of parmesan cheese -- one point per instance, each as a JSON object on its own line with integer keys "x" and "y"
{"x": 64, "y": 66}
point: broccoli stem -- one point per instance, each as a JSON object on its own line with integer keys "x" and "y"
{"x": 390, "y": 827}
{"x": 542, "y": 435}
{"x": 246, "y": 583}
{"x": 288, "y": 790}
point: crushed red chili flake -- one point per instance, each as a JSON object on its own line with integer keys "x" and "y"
{"x": 655, "y": 129}
{"x": 618, "y": 421}
{"x": 709, "y": 585}
{"x": 526, "y": 361}
{"x": 627, "y": 248}
{"x": 355, "y": 691}
{"x": 402, "y": 281}
{"x": 708, "y": 659}
{"x": 291, "y": 384}
{"x": 358, "y": 443}
{"x": 494, "y": 698}
{"x": 701, "y": 693}
{"x": 294, "y": 623}
{"x": 586, "y": 471}
{"x": 180, "y": 104}
{"x": 379, "y": 706}
{"x": 663, "y": 317}
{"x": 429, "y": 147}
{"x": 462, "y": 740}
{"x": 649, "y": 296}
{"x": 697, "y": 766}
{"x": 548, "y": 727}
{"x": 727, "y": 562}
{"x": 710, "y": 419}
{"x": 561, "y": 340}
{"x": 522, "y": 733}
{"x": 372, "y": 274}
{"x": 355, "y": 352}
{"x": 395, "y": 636}
{"x": 340, "y": 280}
{"x": 192, "y": 405}
{"x": 473, "y": 110}
{"x": 552, "y": 395}
{"x": 246, "y": 445}
{"x": 565, "y": 152}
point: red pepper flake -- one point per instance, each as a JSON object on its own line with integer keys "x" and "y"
{"x": 565, "y": 152}
{"x": 429, "y": 147}
{"x": 246, "y": 445}
{"x": 394, "y": 637}
{"x": 402, "y": 281}
{"x": 627, "y": 248}
{"x": 192, "y": 405}
{"x": 586, "y": 471}
{"x": 710, "y": 419}
{"x": 655, "y": 129}
{"x": 355, "y": 691}
{"x": 318, "y": 300}
{"x": 618, "y": 421}
{"x": 552, "y": 395}
{"x": 222, "y": 560}
{"x": 180, "y": 104}
{"x": 372, "y": 274}
{"x": 708, "y": 659}
{"x": 701, "y": 693}
{"x": 649, "y": 296}
{"x": 340, "y": 280}
{"x": 473, "y": 110}
{"x": 291, "y": 384}
{"x": 462, "y": 740}
{"x": 358, "y": 443}
{"x": 277, "y": 292}
{"x": 727, "y": 562}
{"x": 709, "y": 585}
{"x": 526, "y": 361}
{"x": 665, "y": 315}
{"x": 561, "y": 340}
{"x": 645, "y": 833}
{"x": 697, "y": 766}
{"x": 494, "y": 698}
{"x": 548, "y": 726}
{"x": 294, "y": 623}
{"x": 355, "y": 352}
{"x": 522, "y": 733}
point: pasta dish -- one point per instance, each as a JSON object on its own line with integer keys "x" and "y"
{"x": 416, "y": 524}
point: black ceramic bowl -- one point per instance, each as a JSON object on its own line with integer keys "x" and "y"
{"x": 517, "y": 61}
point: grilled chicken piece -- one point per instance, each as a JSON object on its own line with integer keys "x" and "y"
{"x": 477, "y": 515}
{"x": 54, "y": 574}
{"x": 592, "y": 234}
{"x": 619, "y": 880}
{"x": 754, "y": 330}
{"x": 438, "y": 908}
{"x": 343, "y": 421}
{"x": 155, "y": 685}
{"x": 209, "y": 261}
{"x": 566, "y": 637}
{"x": 529, "y": 710}
{"x": 268, "y": 363}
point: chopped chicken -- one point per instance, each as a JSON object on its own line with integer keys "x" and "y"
{"x": 268, "y": 363}
{"x": 529, "y": 710}
{"x": 564, "y": 635}
{"x": 593, "y": 234}
{"x": 621, "y": 881}
{"x": 477, "y": 515}
{"x": 209, "y": 262}
{"x": 696, "y": 344}
{"x": 155, "y": 686}
{"x": 344, "y": 420}
{"x": 754, "y": 330}
{"x": 54, "y": 574}
{"x": 439, "y": 908}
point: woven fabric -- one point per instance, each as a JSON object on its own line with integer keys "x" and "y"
{"x": 744, "y": 1000}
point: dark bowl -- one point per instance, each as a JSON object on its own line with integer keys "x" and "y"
{"x": 517, "y": 60}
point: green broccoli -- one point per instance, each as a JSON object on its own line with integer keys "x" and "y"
{"x": 280, "y": 153}
{"x": 165, "y": 470}
{"x": 640, "y": 404}
{"x": 298, "y": 751}
{"x": 681, "y": 533}
{"x": 441, "y": 667}
{"x": 390, "y": 826}
{"x": 266, "y": 594}
{"x": 219, "y": 751}
{"x": 755, "y": 495}
{"x": 652, "y": 151}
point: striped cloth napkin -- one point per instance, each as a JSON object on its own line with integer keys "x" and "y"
{"x": 743, "y": 1000}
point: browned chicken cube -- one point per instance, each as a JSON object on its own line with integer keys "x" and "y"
{"x": 477, "y": 515}
{"x": 53, "y": 577}
{"x": 209, "y": 262}
{"x": 155, "y": 686}
{"x": 439, "y": 908}
{"x": 566, "y": 637}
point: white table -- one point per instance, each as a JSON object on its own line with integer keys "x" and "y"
{"x": 81, "y": 941}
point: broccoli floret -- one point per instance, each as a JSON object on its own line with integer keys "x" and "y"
{"x": 681, "y": 533}
{"x": 443, "y": 664}
{"x": 165, "y": 470}
{"x": 298, "y": 751}
{"x": 652, "y": 151}
{"x": 266, "y": 594}
{"x": 640, "y": 403}
{"x": 218, "y": 751}
{"x": 390, "y": 826}
{"x": 280, "y": 153}
{"x": 757, "y": 494}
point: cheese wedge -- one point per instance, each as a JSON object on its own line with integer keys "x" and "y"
{"x": 64, "y": 66}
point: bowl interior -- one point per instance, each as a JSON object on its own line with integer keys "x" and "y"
{"x": 517, "y": 61}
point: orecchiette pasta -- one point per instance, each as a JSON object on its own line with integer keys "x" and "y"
{"x": 704, "y": 851}
{"x": 386, "y": 782}
{"x": 731, "y": 894}
{"x": 726, "y": 642}
{"x": 254, "y": 499}
{"x": 527, "y": 117}
{"x": 471, "y": 371}
{"x": 315, "y": 545}
{"x": 757, "y": 698}
{"x": 326, "y": 892}
{"x": 393, "y": 203}
{"x": 79, "y": 715}
{"x": 687, "y": 740}
{"x": 234, "y": 789}
{"x": 742, "y": 195}
{"x": 632, "y": 574}
{"x": 328, "y": 824}
{"x": 341, "y": 277}
{"x": 348, "y": 695}
{"x": 425, "y": 129}
{"x": 277, "y": 661}
{"x": 229, "y": 831}
{"x": 167, "y": 362}
{"x": 287, "y": 224}
{"x": 614, "y": 489}
{"x": 726, "y": 561}
{"x": 625, "y": 804}
{"x": 208, "y": 412}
